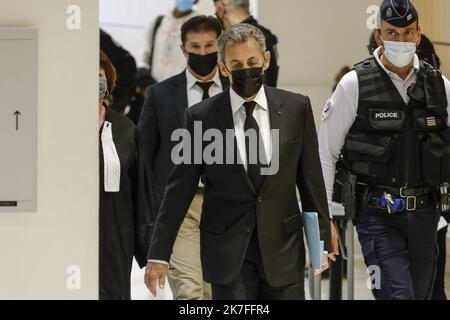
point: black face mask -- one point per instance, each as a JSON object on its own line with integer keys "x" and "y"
{"x": 203, "y": 65}
{"x": 247, "y": 82}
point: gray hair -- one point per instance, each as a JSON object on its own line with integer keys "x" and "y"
{"x": 239, "y": 4}
{"x": 240, "y": 33}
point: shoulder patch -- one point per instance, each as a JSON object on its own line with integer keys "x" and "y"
{"x": 327, "y": 110}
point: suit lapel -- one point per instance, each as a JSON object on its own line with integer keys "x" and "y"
{"x": 225, "y": 121}
{"x": 276, "y": 122}
{"x": 180, "y": 95}
{"x": 275, "y": 112}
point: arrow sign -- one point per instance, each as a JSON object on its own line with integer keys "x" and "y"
{"x": 17, "y": 114}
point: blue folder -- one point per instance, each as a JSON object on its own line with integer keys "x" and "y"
{"x": 312, "y": 232}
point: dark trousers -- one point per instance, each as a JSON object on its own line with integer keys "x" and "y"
{"x": 252, "y": 282}
{"x": 439, "y": 284}
{"x": 403, "y": 248}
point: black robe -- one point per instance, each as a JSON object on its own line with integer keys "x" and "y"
{"x": 126, "y": 217}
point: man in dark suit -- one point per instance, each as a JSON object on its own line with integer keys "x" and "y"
{"x": 162, "y": 114}
{"x": 251, "y": 230}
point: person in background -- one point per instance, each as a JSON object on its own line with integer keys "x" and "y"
{"x": 163, "y": 113}
{"x": 344, "y": 70}
{"x": 142, "y": 82}
{"x": 232, "y": 12}
{"x": 125, "y": 65}
{"x": 163, "y": 56}
{"x": 373, "y": 45}
{"x": 427, "y": 53}
{"x": 127, "y": 209}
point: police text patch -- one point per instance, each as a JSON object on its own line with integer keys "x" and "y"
{"x": 384, "y": 115}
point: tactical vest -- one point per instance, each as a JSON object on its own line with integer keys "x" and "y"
{"x": 397, "y": 145}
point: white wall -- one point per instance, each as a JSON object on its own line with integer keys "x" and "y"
{"x": 435, "y": 23}
{"x": 37, "y": 248}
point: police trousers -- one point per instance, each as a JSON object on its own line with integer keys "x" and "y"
{"x": 400, "y": 253}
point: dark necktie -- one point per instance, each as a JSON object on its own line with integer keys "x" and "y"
{"x": 205, "y": 87}
{"x": 254, "y": 169}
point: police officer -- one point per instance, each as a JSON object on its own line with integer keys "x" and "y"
{"x": 388, "y": 123}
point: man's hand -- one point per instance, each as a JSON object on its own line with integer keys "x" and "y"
{"x": 332, "y": 255}
{"x": 334, "y": 243}
{"x": 325, "y": 264}
{"x": 155, "y": 272}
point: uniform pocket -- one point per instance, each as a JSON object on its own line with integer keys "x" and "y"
{"x": 436, "y": 159}
{"x": 369, "y": 154}
{"x": 373, "y": 147}
{"x": 386, "y": 119}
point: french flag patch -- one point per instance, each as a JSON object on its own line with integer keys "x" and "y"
{"x": 327, "y": 110}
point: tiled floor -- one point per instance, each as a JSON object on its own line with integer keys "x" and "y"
{"x": 140, "y": 292}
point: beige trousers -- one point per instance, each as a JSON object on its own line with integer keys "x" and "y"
{"x": 185, "y": 275}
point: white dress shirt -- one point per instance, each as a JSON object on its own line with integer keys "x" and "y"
{"x": 168, "y": 58}
{"x": 342, "y": 111}
{"x": 262, "y": 117}
{"x": 195, "y": 93}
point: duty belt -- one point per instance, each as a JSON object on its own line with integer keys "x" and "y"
{"x": 414, "y": 198}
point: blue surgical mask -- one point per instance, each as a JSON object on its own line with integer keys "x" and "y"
{"x": 184, "y": 5}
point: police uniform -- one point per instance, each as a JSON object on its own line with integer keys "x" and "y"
{"x": 394, "y": 135}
